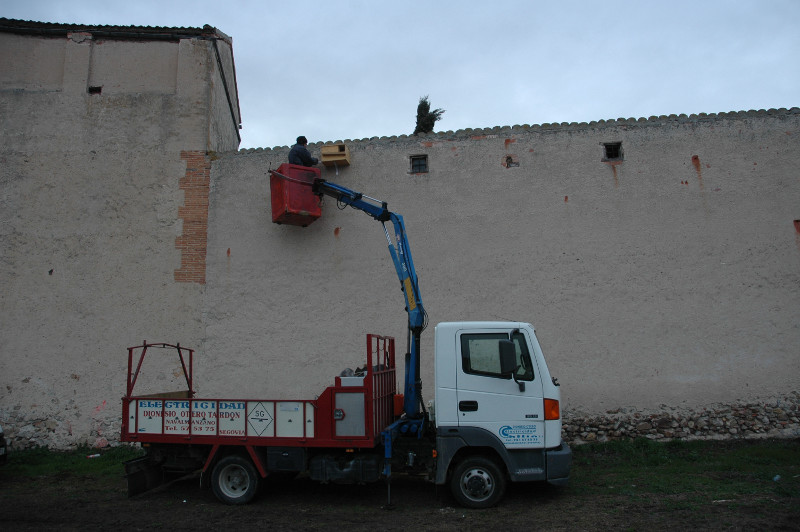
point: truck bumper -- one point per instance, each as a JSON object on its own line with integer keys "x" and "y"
{"x": 559, "y": 462}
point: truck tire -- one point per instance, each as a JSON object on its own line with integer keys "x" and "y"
{"x": 477, "y": 482}
{"x": 234, "y": 480}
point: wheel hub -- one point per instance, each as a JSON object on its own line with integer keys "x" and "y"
{"x": 235, "y": 481}
{"x": 478, "y": 484}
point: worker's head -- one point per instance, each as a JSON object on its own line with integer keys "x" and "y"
{"x": 301, "y": 140}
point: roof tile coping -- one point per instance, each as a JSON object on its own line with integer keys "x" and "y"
{"x": 682, "y": 118}
{"x": 31, "y": 27}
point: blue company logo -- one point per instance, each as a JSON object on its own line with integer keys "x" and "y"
{"x": 518, "y": 432}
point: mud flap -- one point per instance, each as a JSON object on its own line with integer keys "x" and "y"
{"x": 143, "y": 475}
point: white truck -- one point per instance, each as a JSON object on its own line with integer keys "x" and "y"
{"x": 495, "y": 418}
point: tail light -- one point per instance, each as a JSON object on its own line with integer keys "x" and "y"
{"x": 551, "y": 409}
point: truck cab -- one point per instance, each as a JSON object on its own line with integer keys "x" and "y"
{"x": 494, "y": 418}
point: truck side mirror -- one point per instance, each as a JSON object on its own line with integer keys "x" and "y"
{"x": 508, "y": 357}
{"x": 508, "y": 361}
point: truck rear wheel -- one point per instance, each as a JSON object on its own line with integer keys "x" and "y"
{"x": 477, "y": 482}
{"x": 234, "y": 480}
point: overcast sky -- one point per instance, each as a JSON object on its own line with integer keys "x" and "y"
{"x": 336, "y": 70}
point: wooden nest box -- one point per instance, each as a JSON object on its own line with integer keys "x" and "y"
{"x": 335, "y": 155}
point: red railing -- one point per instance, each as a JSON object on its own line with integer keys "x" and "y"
{"x": 180, "y": 416}
{"x": 383, "y": 385}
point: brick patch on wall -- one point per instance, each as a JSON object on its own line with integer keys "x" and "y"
{"x": 194, "y": 213}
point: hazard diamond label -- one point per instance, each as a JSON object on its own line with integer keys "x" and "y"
{"x": 259, "y": 417}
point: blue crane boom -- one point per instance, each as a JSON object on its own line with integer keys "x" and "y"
{"x": 404, "y": 266}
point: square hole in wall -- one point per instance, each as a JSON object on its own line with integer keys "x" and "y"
{"x": 95, "y": 90}
{"x": 510, "y": 161}
{"x": 612, "y": 151}
{"x": 419, "y": 164}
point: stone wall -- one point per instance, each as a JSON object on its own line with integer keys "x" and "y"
{"x": 778, "y": 418}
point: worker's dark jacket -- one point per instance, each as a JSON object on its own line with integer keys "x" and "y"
{"x": 300, "y": 155}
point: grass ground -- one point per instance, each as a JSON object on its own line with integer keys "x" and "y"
{"x": 631, "y": 485}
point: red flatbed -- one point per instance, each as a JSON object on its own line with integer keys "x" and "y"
{"x": 351, "y": 413}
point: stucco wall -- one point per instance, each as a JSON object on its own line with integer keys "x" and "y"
{"x": 666, "y": 281}
{"x": 165, "y": 94}
{"x": 670, "y": 278}
{"x": 87, "y": 266}
{"x": 34, "y": 64}
{"x": 104, "y": 169}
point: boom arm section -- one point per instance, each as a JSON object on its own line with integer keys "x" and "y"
{"x": 404, "y": 265}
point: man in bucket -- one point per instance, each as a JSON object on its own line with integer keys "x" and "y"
{"x": 300, "y": 155}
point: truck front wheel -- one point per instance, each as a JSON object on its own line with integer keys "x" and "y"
{"x": 477, "y": 482}
{"x": 234, "y": 480}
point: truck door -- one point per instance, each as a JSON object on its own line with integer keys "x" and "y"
{"x": 510, "y": 408}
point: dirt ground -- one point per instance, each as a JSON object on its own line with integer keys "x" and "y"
{"x": 85, "y": 503}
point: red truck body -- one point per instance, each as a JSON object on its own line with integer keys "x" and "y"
{"x": 350, "y": 414}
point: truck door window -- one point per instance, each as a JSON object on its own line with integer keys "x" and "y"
{"x": 480, "y": 355}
